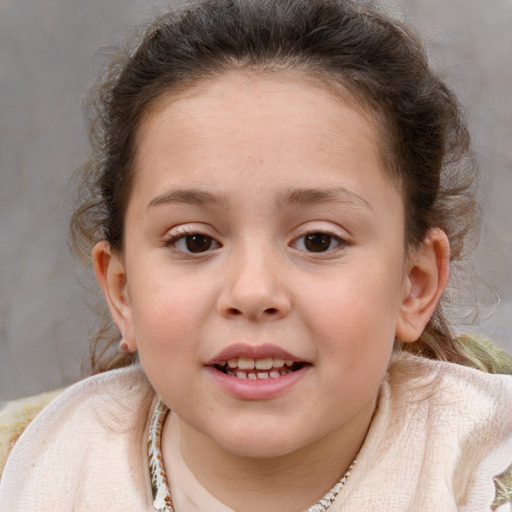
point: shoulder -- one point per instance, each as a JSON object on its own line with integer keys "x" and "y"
{"x": 15, "y": 416}
{"x": 441, "y": 382}
{"x": 465, "y": 416}
{"x": 474, "y": 404}
{"x": 102, "y": 398}
{"x": 446, "y": 430}
{"x": 99, "y": 419}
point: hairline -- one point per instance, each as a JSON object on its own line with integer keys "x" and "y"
{"x": 339, "y": 87}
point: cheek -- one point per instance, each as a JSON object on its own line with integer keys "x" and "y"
{"x": 354, "y": 314}
{"x": 168, "y": 325}
{"x": 166, "y": 309}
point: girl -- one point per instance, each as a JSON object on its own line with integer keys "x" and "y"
{"x": 277, "y": 192}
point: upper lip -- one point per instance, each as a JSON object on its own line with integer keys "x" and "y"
{"x": 252, "y": 352}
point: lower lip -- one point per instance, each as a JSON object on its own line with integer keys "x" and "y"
{"x": 257, "y": 389}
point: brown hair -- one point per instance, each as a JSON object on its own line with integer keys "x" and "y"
{"x": 378, "y": 60}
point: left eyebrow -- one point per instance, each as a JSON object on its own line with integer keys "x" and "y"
{"x": 188, "y": 196}
{"x": 306, "y": 196}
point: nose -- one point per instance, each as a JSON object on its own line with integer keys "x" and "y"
{"x": 254, "y": 287}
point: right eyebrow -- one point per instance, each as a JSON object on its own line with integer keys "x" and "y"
{"x": 189, "y": 196}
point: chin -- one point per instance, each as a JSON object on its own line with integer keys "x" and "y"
{"x": 260, "y": 445}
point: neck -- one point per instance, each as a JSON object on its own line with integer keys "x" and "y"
{"x": 288, "y": 483}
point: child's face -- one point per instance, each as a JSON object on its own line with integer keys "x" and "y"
{"x": 262, "y": 224}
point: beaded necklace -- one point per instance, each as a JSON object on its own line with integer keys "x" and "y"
{"x": 160, "y": 486}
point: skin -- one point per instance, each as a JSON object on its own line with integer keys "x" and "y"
{"x": 261, "y": 144}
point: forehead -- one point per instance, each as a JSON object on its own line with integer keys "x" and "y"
{"x": 279, "y": 97}
{"x": 293, "y": 123}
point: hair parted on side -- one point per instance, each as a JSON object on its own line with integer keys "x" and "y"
{"x": 351, "y": 47}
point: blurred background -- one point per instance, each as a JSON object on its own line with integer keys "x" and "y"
{"x": 50, "y": 53}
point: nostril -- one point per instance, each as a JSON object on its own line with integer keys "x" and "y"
{"x": 271, "y": 311}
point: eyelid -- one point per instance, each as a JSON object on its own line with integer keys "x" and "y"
{"x": 338, "y": 238}
{"x": 321, "y": 226}
{"x": 179, "y": 232}
{"x": 343, "y": 240}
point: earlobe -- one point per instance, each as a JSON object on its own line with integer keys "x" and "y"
{"x": 110, "y": 273}
{"x": 425, "y": 282}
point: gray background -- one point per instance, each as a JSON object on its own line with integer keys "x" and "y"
{"x": 49, "y": 51}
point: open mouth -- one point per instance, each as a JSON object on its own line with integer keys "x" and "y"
{"x": 264, "y": 368}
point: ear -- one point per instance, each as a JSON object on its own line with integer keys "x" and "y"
{"x": 110, "y": 273}
{"x": 428, "y": 270}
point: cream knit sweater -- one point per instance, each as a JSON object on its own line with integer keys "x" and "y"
{"x": 440, "y": 441}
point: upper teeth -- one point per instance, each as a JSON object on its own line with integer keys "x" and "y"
{"x": 245, "y": 363}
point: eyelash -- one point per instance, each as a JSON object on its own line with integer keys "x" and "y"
{"x": 184, "y": 233}
{"x": 341, "y": 242}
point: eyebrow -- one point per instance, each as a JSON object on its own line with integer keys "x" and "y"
{"x": 189, "y": 196}
{"x": 295, "y": 196}
{"x": 305, "y": 196}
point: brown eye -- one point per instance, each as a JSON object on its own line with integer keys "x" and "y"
{"x": 194, "y": 243}
{"x": 198, "y": 243}
{"x": 318, "y": 242}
